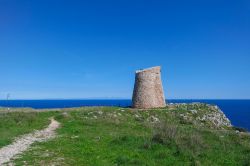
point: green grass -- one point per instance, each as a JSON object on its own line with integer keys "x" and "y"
{"x": 116, "y": 136}
{"x": 14, "y": 124}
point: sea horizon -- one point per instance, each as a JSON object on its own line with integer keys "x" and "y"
{"x": 123, "y": 99}
{"x": 237, "y": 110}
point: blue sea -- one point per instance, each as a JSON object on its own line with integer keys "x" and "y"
{"x": 238, "y": 111}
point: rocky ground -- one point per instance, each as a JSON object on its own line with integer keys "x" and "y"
{"x": 202, "y": 115}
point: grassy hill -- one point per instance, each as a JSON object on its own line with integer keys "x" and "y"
{"x": 180, "y": 134}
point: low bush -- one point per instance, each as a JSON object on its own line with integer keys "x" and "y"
{"x": 185, "y": 141}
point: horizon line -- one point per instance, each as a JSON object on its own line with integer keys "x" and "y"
{"x": 122, "y": 99}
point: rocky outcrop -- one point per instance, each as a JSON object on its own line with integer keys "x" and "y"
{"x": 148, "y": 90}
{"x": 216, "y": 117}
{"x": 200, "y": 114}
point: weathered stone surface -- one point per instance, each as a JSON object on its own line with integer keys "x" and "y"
{"x": 201, "y": 115}
{"x": 148, "y": 90}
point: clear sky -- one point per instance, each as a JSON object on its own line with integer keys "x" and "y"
{"x": 91, "y": 49}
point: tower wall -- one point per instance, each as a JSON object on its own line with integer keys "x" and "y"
{"x": 148, "y": 90}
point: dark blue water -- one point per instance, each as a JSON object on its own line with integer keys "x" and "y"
{"x": 238, "y": 111}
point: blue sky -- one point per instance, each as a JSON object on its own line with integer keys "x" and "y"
{"x": 91, "y": 49}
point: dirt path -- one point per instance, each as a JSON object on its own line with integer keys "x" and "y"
{"x": 23, "y": 143}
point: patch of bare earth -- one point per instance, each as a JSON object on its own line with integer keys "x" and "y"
{"x": 22, "y": 143}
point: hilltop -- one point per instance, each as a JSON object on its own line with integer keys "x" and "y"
{"x": 179, "y": 134}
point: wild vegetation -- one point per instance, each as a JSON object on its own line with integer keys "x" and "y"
{"x": 13, "y": 124}
{"x": 175, "y": 135}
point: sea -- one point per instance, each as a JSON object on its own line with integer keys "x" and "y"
{"x": 238, "y": 111}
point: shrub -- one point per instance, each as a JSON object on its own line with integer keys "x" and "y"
{"x": 164, "y": 133}
{"x": 185, "y": 141}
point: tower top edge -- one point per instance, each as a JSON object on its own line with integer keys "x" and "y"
{"x": 148, "y": 69}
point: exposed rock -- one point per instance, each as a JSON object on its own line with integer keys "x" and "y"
{"x": 203, "y": 115}
{"x": 65, "y": 114}
{"x": 153, "y": 119}
{"x": 100, "y": 112}
{"x": 193, "y": 111}
{"x": 137, "y": 116}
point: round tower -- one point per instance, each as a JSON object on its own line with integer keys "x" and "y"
{"x": 148, "y": 90}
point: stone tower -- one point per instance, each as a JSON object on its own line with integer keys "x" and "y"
{"x": 148, "y": 90}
